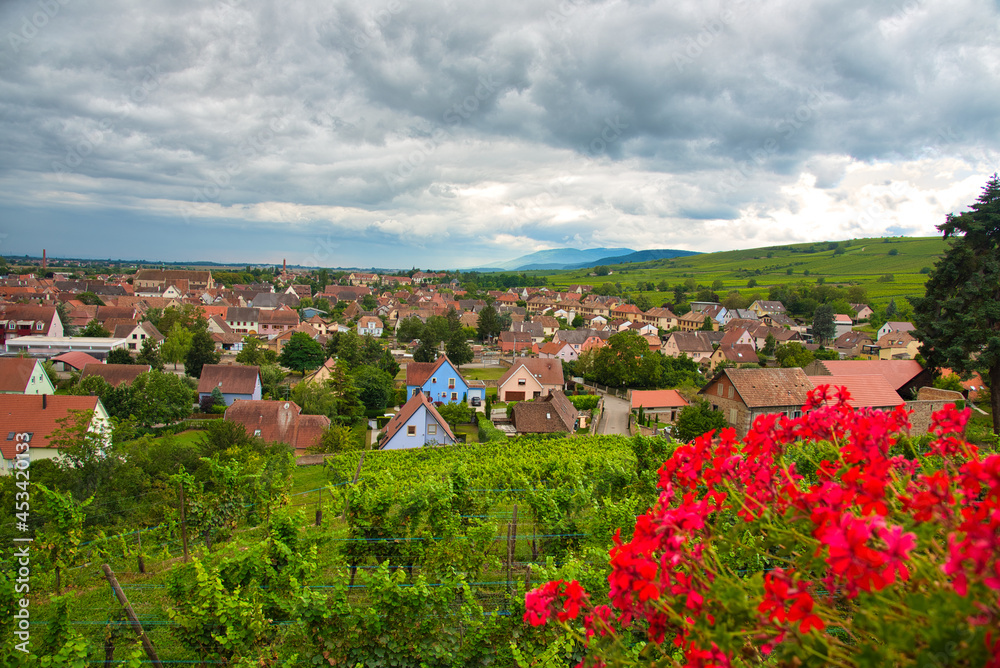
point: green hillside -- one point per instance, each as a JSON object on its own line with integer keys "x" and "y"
{"x": 857, "y": 261}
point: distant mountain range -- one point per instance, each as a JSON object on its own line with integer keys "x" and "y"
{"x": 572, "y": 258}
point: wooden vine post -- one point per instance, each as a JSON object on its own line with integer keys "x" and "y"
{"x": 184, "y": 533}
{"x": 147, "y": 644}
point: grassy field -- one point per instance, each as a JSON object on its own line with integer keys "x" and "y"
{"x": 858, "y": 261}
{"x": 481, "y": 373}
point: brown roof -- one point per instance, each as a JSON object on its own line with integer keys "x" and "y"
{"x": 21, "y": 413}
{"x": 740, "y": 353}
{"x": 871, "y": 390}
{"x": 657, "y": 399}
{"x": 115, "y": 374}
{"x": 278, "y": 421}
{"x": 545, "y": 415}
{"x": 15, "y": 372}
{"x": 770, "y": 387}
{"x": 695, "y": 341}
{"x": 545, "y": 370}
{"x": 406, "y": 412}
{"x": 417, "y": 373}
{"x": 279, "y": 317}
{"x": 229, "y": 379}
{"x": 897, "y": 372}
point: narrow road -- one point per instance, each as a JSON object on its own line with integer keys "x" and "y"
{"x": 615, "y": 420}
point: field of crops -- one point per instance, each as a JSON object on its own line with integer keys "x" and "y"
{"x": 858, "y": 261}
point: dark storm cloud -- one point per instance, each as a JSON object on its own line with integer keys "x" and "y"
{"x": 501, "y": 127}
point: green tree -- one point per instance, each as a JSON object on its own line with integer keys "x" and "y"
{"x": 488, "y": 323}
{"x": 302, "y": 353}
{"x": 410, "y": 327}
{"x": 770, "y": 344}
{"x": 376, "y": 388}
{"x": 339, "y": 438}
{"x": 823, "y": 327}
{"x": 957, "y": 320}
{"x": 201, "y": 352}
{"x": 680, "y": 371}
{"x": 627, "y": 362}
{"x": 63, "y": 312}
{"x": 388, "y": 363}
{"x": 578, "y": 321}
{"x": 793, "y": 354}
{"x": 252, "y": 352}
{"x": 175, "y": 347}
{"x": 707, "y": 325}
{"x": 426, "y": 351}
{"x": 272, "y": 378}
{"x": 891, "y": 309}
{"x": 161, "y": 398}
{"x": 120, "y": 356}
{"x": 94, "y": 329}
{"x": 697, "y": 419}
{"x": 149, "y": 353}
{"x": 90, "y": 299}
{"x": 455, "y": 412}
{"x": 458, "y": 349}
{"x": 369, "y": 303}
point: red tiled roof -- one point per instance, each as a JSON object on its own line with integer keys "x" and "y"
{"x": 867, "y": 391}
{"x": 24, "y": 413}
{"x": 406, "y": 412}
{"x": 76, "y": 359}
{"x": 657, "y": 399}
{"x": 278, "y": 421}
{"x": 15, "y": 372}
{"x": 229, "y": 379}
{"x": 770, "y": 387}
{"x": 897, "y": 372}
{"x": 417, "y": 373}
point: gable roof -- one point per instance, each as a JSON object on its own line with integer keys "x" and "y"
{"x": 867, "y": 391}
{"x": 657, "y": 399}
{"x": 229, "y": 379}
{"x": 417, "y": 373}
{"x": 768, "y": 387}
{"x": 546, "y": 371}
{"x": 24, "y": 413}
{"x": 278, "y": 421}
{"x": 897, "y": 372}
{"x": 741, "y": 353}
{"x": 545, "y": 415}
{"x": 407, "y": 411}
{"x": 700, "y": 342}
{"x": 15, "y": 372}
{"x": 115, "y": 374}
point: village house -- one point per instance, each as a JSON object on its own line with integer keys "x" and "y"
{"x": 851, "y": 343}
{"x": 277, "y": 321}
{"x": 23, "y": 375}
{"x": 893, "y": 326}
{"x": 115, "y": 374}
{"x": 842, "y": 324}
{"x": 515, "y": 342}
{"x": 530, "y": 378}
{"x": 18, "y": 320}
{"x": 417, "y": 424}
{"x": 664, "y": 405}
{"x": 279, "y": 422}
{"x": 743, "y": 395}
{"x": 153, "y": 282}
{"x": 441, "y": 382}
{"x": 243, "y": 320}
{"x": 39, "y": 416}
{"x": 547, "y": 415}
{"x": 739, "y": 355}
{"x": 558, "y": 350}
{"x": 904, "y": 376}
{"x": 369, "y": 325}
{"x": 235, "y": 382}
{"x": 661, "y": 318}
{"x": 762, "y": 307}
{"x": 861, "y": 312}
{"x": 893, "y": 346}
{"x": 694, "y": 321}
{"x": 135, "y": 334}
{"x": 699, "y": 346}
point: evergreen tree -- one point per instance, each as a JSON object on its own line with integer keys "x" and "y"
{"x": 823, "y": 328}
{"x": 425, "y": 352}
{"x": 957, "y": 320}
{"x": 458, "y": 349}
{"x": 488, "y": 324}
{"x": 891, "y": 309}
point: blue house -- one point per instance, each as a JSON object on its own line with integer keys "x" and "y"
{"x": 235, "y": 382}
{"x": 416, "y": 425}
{"x": 442, "y": 383}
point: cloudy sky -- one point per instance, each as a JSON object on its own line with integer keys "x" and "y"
{"x": 400, "y": 133}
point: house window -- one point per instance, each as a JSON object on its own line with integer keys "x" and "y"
{"x": 411, "y": 431}
{"x": 256, "y": 432}
{"x": 454, "y": 396}
{"x": 11, "y": 325}
{"x": 451, "y": 383}
{"x": 732, "y": 416}
{"x": 720, "y": 389}
{"x": 730, "y": 391}
{"x": 39, "y": 327}
{"x": 521, "y": 381}
{"x": 432, "y": 429}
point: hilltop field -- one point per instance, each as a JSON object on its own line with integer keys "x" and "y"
{"x": 888, "y": 268}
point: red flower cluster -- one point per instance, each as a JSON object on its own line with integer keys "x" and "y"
{"x": 857, "y": 513}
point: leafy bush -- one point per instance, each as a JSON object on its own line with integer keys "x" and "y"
{"x": 585, "y": 402}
